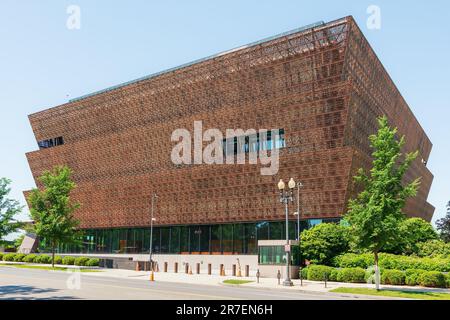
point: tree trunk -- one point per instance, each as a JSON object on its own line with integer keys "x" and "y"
{"x": 377, "y": 272}
{"x": 53, "y": 254}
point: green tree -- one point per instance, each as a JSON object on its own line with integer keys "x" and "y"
{"x": 375, "y": 214}
{"x": 414, "y": 231}
{"x": 443, "y": 226}
{"x": 323, "y": 242}
{"x": 52, "y": 209}
{"x": 8, "y": 210}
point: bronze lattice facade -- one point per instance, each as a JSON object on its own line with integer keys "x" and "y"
{"x": 323, "y": 85}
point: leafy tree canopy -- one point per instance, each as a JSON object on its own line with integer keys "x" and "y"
{"x": 52, "y": 209}
{"x": 8, "y": 210}
{"x": 375, "y": 214}
{"x": 443, "y": 225}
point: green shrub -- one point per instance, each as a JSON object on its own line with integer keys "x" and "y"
{"x": 9, "y": 257}
{"x": 43, "y": 258}
{"x": 81, "y": 261}
{"x": 353, "y": 260}
{"x": 68, "y": 261}
{"x": 29, "y": 258}
{"x": 19, "y": 257}
{"x": 321, "y": 243}
{"x": 432, "y": 279}
{"x": 354, "y": 275}
{"x": 58, "y": 260}
{"x": 1, "y": 256}
{"x": 93, "y": 262}
{"x": 395, "y": 277}
{"x": 447, "y": 280}
{"x": 391, "y": 261}
{"x": 333, "y": 275}
{"x": 318, "y": 272}
{"x": 412, "y": 276}
{"x": 433, "y": 248}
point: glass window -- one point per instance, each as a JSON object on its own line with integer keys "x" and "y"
{"x": 195, "y": 234}
{"x": 272, "y": 255}
{"x": 156, "y": 247}
{"x": 184, "y": 240}
{"x": 277, "y": 231}
{"x": 204, "y": 239}
{"x": 238, "y": 238}
{"x": 146, "y": 241}
{"x": 175, "y": 240}
{"x": 250, "y": 240}
{"x": 227, "y": 238}
{"x": 262, "y": 230}
{"x": 216, "y": 237}
{"x": 165, "y": 240}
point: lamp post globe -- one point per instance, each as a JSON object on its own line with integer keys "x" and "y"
{"x": 281, "y": 185}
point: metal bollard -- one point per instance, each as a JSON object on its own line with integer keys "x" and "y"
{"x": 279, "y": 276}
{"x": 325, "y": 278}
{"x": 257, "y": 276}
{"x": 198, "y": 268}
{"x": 247, "y": 270}
{"x": 209, "y": 268}
{"x": 186, "y": 268}
{"x": 166, "y": 266}
{"x": 222, "y": 271}
{"x": 175, "y": 267}
{"x": 234, "y": 270}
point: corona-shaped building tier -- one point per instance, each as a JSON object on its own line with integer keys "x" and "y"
{"x": 322, "y": 86}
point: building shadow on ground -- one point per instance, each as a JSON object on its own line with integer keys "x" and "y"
{"x": 18, "y": 292}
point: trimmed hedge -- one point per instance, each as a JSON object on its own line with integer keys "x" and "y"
{"x": 353, "y": 260}
{"x": 318, "y": 272}
{"x": 303, "y": 273}
{"x": 58, "y": 260}
{"x": 353, "y": 275}
{"x": 412, "y": 276}
{"x": 81, "y": 261}
{"x": 395, "y": 277}
{"x": 19, "y": 257}
{"x": 9, "y": 257}
{"x": 43, "y": 258}
{"x": 433, "y": 279}
{"x": 391, "y": 261}
{"x": 93, "y": 262}
{"x": 68, "y": 260}
{"x": 29, "y": 258}
{"x": 333, "y": 275}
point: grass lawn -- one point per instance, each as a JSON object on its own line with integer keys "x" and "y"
{"x": 25, "y": 266}
{"x": 234, "y": 281}
{"x": 424, "y": 295}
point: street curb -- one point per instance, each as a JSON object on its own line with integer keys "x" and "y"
{"x": 322, "y": 293}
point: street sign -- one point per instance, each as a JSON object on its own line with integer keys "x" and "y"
{"x": 287, "y": 248}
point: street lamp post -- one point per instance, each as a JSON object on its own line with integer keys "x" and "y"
{"x": 154, "y": 197}
{"x": 299, "y": 185}
{"x": 286, "y": 196}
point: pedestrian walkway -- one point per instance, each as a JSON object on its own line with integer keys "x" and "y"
{"x": 268, "y": 283}
{"x": 217, "y": 280}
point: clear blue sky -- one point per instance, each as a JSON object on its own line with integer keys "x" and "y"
{"x": 42, "y": 63}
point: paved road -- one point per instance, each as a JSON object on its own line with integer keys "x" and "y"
{"x": 41, "y": 284}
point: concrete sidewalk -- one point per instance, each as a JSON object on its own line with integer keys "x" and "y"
{"x": 266, "y": 283}
{"x": 216, "y": 280}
